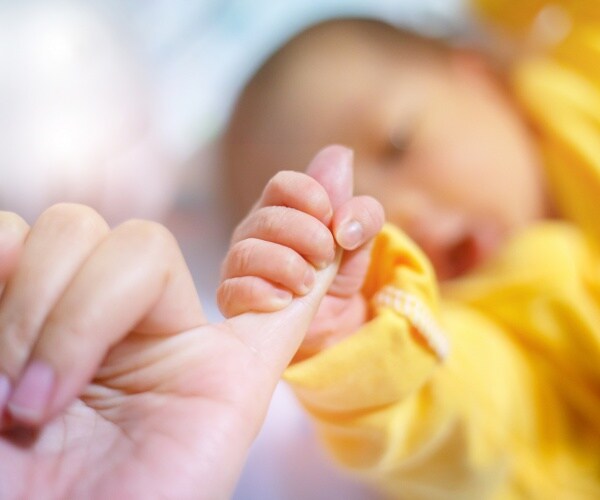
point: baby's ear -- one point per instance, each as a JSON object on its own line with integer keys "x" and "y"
{"x": 332, "y": 168}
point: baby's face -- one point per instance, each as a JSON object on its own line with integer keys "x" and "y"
{"x": 444, "y": 152}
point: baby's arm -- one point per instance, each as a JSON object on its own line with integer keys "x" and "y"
{"x": 384, "y": 402}
{"x": 296, "y": 227}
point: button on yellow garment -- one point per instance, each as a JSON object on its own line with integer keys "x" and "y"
{"x": 514, "y": 411}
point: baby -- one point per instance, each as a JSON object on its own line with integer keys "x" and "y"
{"x": 492, "y": 388}
{"x": 432, "y": 124}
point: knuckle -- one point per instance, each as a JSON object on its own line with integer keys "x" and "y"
{"x": 224, "y": 270}
{"x": 284, "y": 185}
{"x": 235, "y": 296}
{"x": 22, "y": 326}
{"x": 228, "y": 264}
{"x": 70, "y": 333}
{"x": 373, "y": 213}
{"x": 254, "y": 291}
{"x": 242, "y": 255}
{"x": 10, "y": 221}
{"x": 262, "y": 224}
{"x": 292, "y": 264}
{"x": 245, "y": 225}
{"x": 322, "y": 239}
{"x": 150, "y": 235}
{"x": 19, "y": 330}
{"x": 317, "y": 199}
{"x": 274, "y": 187}
{"x": 236, "y": 235}
{"x": 17, "y": 340}
{"x": 74, "y": 217}
{"x": 280, "y": 180}
{"x": 269, "y": 221}
{"x": 223, "y": 298}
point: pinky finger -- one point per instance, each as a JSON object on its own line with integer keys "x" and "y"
{"x": 250, "y": 293}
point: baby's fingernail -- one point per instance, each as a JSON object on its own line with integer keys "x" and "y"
{"x": 31, "y": 396}
{"x": 282, "y": 298}
{"x": 320, "y": 265}
{"x": 350, "y": 235}
{"x": 309, "y": 280}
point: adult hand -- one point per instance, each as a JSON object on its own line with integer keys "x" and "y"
{"x": 298, "y": 222}
{"x": 112, "y": 383}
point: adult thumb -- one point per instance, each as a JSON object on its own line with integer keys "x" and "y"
{"x": 332, "y": 167}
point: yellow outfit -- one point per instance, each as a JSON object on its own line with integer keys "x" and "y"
{"x": 514, "y": 409}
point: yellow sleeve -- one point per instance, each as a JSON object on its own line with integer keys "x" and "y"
{"x": 361, "y": 374}
{"x": 472, "y": 426}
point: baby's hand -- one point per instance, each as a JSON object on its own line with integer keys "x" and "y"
{"x": 298, "y": 225}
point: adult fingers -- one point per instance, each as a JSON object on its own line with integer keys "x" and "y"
{"x": 332, "y": 168}
{"x": 56, "y": 246}
{"x": 135, "y": 280}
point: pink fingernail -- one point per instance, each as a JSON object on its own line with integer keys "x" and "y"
{"x": 4, "y": 392}
{"x": 350, "y": 235}
{"x": 32, "y": 393}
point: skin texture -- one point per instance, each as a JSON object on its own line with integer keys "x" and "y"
{"x": 437, "y": 139}
{"x": 144, "y": 398}
{"x": 295, "y": 224}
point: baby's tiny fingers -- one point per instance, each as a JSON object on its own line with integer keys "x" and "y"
{"x": 300, "y": 191}
{"x": 250, "y": 293}
{"x": 357, "y": 222}
{"x": 276, "y": 263}
{"x": 292, "y": 228}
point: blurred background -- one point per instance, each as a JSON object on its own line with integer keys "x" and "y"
{"x": 119, "y": 104}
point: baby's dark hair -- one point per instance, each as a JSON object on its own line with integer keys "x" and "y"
{"x": 250, "y": 140}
